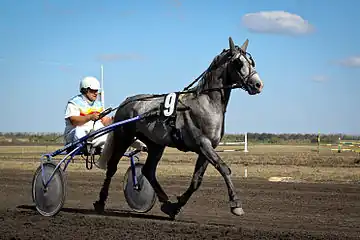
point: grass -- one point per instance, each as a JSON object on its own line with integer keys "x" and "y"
{"x": 302, "y": 163}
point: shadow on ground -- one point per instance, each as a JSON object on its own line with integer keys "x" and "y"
{"x": 108, "y": 212}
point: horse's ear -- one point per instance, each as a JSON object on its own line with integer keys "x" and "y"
{"x": 245, "y": 45}
{"x": 231, "y": 45}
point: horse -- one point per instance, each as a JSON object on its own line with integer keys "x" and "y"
{"x": 192, "y": 120}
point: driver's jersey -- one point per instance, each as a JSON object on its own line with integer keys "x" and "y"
{"x": 80, "y": 106}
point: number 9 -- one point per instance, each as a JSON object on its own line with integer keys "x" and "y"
{"x": 169, "y": 104}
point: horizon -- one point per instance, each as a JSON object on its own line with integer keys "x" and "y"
{"x": 306, "y": 53}
{"x": 240, "y": 133}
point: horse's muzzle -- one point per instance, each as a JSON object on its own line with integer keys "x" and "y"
{"x": 255, "y": 85}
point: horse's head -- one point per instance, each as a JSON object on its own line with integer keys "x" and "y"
{"x": 242, "y": 69}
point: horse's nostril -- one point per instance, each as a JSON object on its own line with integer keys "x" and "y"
{"x": 258, "y": 85}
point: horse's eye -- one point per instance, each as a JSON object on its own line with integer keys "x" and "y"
{"x": 238, "y": 63}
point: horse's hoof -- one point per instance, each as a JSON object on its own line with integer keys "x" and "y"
{"x": 170, "y": 209}
{"x": 238, "y": 211}
{"x": 99, "y": 207}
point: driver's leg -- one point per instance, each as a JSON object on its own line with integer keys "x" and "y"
{"x": 99, "y": 141}
{"x": 75, "y": 134}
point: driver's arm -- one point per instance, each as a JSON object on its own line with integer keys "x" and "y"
{"x": 72, "y": 112}
{"x": 81, "y": 120}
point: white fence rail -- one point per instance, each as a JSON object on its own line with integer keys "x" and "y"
{"x": 245, "y": 143}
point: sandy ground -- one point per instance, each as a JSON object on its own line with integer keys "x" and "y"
{"x": 272, "y": 211}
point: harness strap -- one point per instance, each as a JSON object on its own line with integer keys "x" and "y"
{"x": 197, "y": 79}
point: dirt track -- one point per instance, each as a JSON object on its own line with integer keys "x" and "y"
{"x": 272, "y": 211}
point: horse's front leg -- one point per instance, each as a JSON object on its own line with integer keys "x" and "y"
{"x": 208, "y": 151}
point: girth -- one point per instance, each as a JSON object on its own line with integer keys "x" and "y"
{"x": 176, "y": 135}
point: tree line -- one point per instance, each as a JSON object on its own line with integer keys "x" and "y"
{"x": 255, "y": 138}
{"x": 288, "y": 138}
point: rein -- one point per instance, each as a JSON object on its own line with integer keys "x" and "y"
{"x": 187, "y": 91}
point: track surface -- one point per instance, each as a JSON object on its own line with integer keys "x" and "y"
{"x": 272, "y": 211}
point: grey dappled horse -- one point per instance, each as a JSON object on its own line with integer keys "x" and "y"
{"x": 198, "y": 126}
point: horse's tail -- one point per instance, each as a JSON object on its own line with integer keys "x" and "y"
{"x": 107, "y": 151}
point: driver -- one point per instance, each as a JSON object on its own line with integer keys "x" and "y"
{"x": 81, "y": 112}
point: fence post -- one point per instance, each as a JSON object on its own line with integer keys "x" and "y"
{"x": 246, "y": 143}
{"x": 318, "y": 142}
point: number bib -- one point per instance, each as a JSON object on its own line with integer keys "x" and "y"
{"x": 169, "y": 104}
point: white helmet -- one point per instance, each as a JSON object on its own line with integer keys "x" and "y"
{"x": 89, "y": 82}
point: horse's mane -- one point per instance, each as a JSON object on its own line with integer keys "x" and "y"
{"x": 208, "y": 73}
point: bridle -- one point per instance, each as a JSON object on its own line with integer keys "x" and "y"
{"x": 234, "y": 60}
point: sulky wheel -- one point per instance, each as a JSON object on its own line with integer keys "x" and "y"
{"x": 142, "y": 198}
{"x": 48, "y": 201}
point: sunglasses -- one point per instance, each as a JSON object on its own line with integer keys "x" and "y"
{"x": 92, "y": 91}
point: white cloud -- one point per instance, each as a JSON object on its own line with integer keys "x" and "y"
{"x": 353, "y": 62}
{"x": 320, "y": 78}
{"x": 277, "y": 22}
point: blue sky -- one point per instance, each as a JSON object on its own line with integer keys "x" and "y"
{"x": 307, "y": 54}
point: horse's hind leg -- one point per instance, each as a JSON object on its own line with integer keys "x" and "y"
{"x": 199, "y": 171}
{"x": 118, "y": 151}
